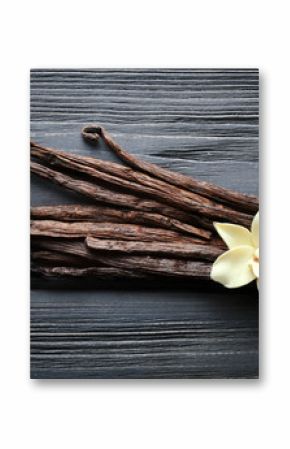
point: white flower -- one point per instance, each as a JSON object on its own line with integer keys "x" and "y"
{"x": 240, "y": 264}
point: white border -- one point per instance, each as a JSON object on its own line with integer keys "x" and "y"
{"x": 128, "y": 414}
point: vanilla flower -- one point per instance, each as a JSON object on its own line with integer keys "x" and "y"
{"x": 240, "y": 264}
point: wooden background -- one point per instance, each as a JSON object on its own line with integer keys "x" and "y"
{"x": 200, "y": 122}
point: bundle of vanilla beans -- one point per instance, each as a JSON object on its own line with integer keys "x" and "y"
{"x": 144, "y": 221}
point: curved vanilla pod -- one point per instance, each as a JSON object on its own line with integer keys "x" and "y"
{"x": 240, "y": 201}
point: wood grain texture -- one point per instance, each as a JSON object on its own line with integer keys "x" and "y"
{"x": 149, "y": 334}
{"x": 199, "y": 122}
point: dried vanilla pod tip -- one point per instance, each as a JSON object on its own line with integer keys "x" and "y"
{"x": 237, "y": 200}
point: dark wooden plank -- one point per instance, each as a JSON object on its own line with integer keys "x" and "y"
{"x": 202, "y": 122}
{"x": 140, "y": 334}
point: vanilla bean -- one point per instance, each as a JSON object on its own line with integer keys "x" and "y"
{"x": 57, "y": 258}
{"x": 120, "y": 231}
{"x": 131, "y": 179}
{"x": 69, "y": 247}
{"x": 159, "y": 266}
{"x": 105, "y": 195}
{"x": 138, "y": 265}
{"x": 156, "y": 189}
{"x": 171, "y": 249}
{"x": 49, "y": 156}
{"x": 95, "y": 272}
{"x": 107, "y": 214}
{"x": 240, "y": 201}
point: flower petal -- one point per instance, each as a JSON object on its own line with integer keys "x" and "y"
{"x": 233, "y": 268}
{"x": 255, "y": 268}
{"x": 255, "y": 230}
{"x": 234, "y": 235}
